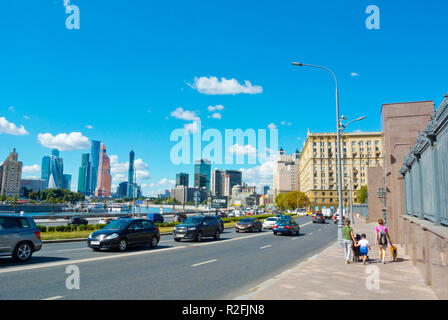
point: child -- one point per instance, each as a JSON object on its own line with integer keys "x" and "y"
{"x": 365, "y": 247}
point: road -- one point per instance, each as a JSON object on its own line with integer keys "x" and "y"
{"x": 222, "y": 269}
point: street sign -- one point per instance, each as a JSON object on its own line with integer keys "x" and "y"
{"x": 219, "y": 202}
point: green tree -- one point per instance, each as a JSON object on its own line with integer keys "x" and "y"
{"x": 361, "y": 195}
{"x": 3, "y": 197}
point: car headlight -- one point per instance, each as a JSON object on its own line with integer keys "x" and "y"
{"x": 112, "y": 236}
{"x": 192, "y": 228}
{"x": 90, "y": 235}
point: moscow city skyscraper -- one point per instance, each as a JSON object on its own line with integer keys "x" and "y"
{"x": 94, "y": 162}
{"x": 130, "y": 192}
{"x": 104, "y": 178}
{"x": 84, "y": 176}
{"x": 53, "y": 172}
{"x": 202, "y": 171}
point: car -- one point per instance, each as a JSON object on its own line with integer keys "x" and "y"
{"x": 197, "y": 228}
{"x": 336, "y": 218}
{"x": 238, "y": 213}
{"x": 180, "y": 217}
{"x": 76, "y": 221}
{"x": 318, "y": 217}
{"x": 231, "y": 214}
{"x": 155, "y": 217}
{"x": 269, "y": 222}
{"x": 105, "y": 220}
{"x": 221, "y": 223}
{"x": 249, "y": 224}
{"x": 19, "y": 237}
{"x": 121, "y": 234}
{"x": 286, "y": 226}
{"x": 125, "y": 217}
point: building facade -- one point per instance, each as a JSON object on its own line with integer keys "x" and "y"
{"x": 202, "y": 172}
{"x": 84, "y": 175}
{"x": 10, "y": 175}
{"x": 182, "y": 179}
{"x": 28, "y": 185}
{"x": 95, "y": 162}
{"x": 131, "y": 174}
{"x": 104, "y": 177}
{"x": 53, "y": 172}
{"x": 286, "y": 173}
{"x": 319, "y": 171}
{"x": 222, "y": 182}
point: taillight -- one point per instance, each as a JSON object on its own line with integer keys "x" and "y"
{"x": 275, "y": 227}
{"x": 37, "y": 233}
{"x": 287, "y": 227}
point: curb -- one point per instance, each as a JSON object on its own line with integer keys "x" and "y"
{"x": 85, "y": 239}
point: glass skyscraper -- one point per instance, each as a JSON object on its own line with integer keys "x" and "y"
{"x": 95, "y": 161}
{"x": 202, "y": 172}
{"x": 182, "y": 179}
{"x": 53, "y": 172}
{"x": 131, "y": 175}
{"x": 84, "y": 175}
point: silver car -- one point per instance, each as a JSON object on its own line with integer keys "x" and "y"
{"x": 19, "y": 237}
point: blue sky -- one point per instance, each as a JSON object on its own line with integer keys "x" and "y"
{"x": 119, "y": 77}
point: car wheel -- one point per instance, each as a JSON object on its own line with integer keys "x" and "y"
{"x": 177, "y": 240}
{"x": 22, "y": 252}
{"x": 236, "y": 230}
{"x": 216, "y": 236}
{"x": 154, "y": 242}
{"x": 122, "y": 245}
{"x": 199, "y": 237}
{"x": 275, "y": 233}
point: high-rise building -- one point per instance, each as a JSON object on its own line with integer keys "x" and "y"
{"x": 67, "y": 182}
{"x": 53, "y": 171}
{"x": 286, "y": 173}
{"x": 182, "y": 179}
{"x": 202, "y": 170}
{"x": 319, "y": 170}
{"x": 222, "y": 181}
{"x": 122, "y": 189}
{"x": 10, "y": 175}
{"x": 131, "y": 175}
{"x": 104, "y": 178}
{"x": 28, "y": 185}
{"x": 265, "y": 190}
{"x": 95, "y": 162}
{"x": 84, "y": 175}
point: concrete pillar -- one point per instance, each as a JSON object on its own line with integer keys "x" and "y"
{"x": 420, "y": 182}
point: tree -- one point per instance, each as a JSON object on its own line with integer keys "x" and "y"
{"x": 3, "y": 197}
{"x": 361, "y": 195}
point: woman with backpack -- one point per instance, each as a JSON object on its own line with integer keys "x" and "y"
{"x": 382, "y": 235}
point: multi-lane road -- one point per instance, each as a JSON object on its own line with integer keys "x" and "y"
{"x": 222, "y": 269}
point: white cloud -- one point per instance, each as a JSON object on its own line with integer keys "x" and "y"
{"x": 163, "y": 182}
{"x": 218, "y": 107}
{"x": 354, "y": 74}
{"x": 216, "y": 115}
{"x": 29, "y": 169}
{"x": 182, "y": 114}
{"x": 32, "y": 177}
{"x": 284, "y": 123}
{"x": 272, "y": 126}
{"x": 63, "y": 141}
{"x": 11, "y": 108}
{"x": 242, "y": 150}
{"x": 27, "y": 117}
{"x": 89, "y": 126}
{"x": 262, "y": 174}
{"x": 192, "y": 127}
{"x": 214, "y": 86}
{"x": 10, "y": 128}
{"x": 119, "y": 170}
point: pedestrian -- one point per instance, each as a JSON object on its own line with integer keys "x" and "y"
{"x": 348, "y": 240}
{"x": 364, "y": 247}
{"x": 382, "y": 235}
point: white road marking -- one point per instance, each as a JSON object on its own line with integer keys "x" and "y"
{"x": 64, "y": 250}
{"x": 53, "y": 298}
{"x": 201, "y": 263}
{"x": 319, "y": 230}
{"x": 294, "y": 238}
{"x": 310, "y": 233}
{"x": 268, "y": 246}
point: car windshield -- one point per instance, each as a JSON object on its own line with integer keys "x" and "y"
{"x": 271, "y": 219}
{"x": 247, "y": 220}
{"x": 194, "y": 220}
{"x": 117, "y": 225}
{"x": 285, "y": 222}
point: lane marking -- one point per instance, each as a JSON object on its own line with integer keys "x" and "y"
{"x": 65, "y": 250}
{"x": 310, "y": 233}
{"x": 319, "y": 230}
{"x": 268, "y": 246}
{"x": 205, "y": 262}
{"x": 53, "y": 298}
{"x": 294, "y": 238}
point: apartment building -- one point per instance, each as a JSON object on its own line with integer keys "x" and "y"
{"x": 286, "y": 173}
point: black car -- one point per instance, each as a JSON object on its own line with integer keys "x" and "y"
{"x": 180, "y": 217}
{"x": 123, "y": 233}
{"x": 197, "y": 227}
{"x": 287, "y": 226}
{"x": 76, "y": 221}
{"x": 318, "y": 218}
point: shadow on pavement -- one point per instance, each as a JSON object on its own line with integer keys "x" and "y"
{"x": 8, "y": 262}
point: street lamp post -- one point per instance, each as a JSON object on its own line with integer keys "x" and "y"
{"x": 339, "y": 129}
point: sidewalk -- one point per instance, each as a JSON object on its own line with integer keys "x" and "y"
{"x": 327, "y": 276}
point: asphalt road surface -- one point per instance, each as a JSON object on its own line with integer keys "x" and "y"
{"x": 222, "y": 269}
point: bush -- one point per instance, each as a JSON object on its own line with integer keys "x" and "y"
{"x": 60, "y": 228}
{"x": 42, "y": 228}
{"x": 51, "y": 229}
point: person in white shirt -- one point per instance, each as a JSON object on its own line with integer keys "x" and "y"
{"x": 364, "y": 247}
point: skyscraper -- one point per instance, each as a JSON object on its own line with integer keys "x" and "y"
{"x": 53, "y": 171}
{"x": 202, "y": 170}
{"x": 104, "y": 178}
{"x": 84, "y": 175}
{"x": 95, "y": 160}
{"x": 10, "y": 175}
{"x": 131, "y": 174}
{"x": 182, "y": 179}
{"x": 222, "y": 181}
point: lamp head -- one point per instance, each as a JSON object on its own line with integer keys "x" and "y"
{"x": 299, "y": 64}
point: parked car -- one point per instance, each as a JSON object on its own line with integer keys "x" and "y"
{"x": 19, "y": 237}
{"x": 318, "y": 217}
{"x": 286, "y": 226}
{"x": 249, "y": 224}
{"x": 76, "y": 221}
{"x": 123, "y": 233}
{"x": 180, "y": 217}
{"x": 269, "y": 222}
{"x": 155, "y": 217}
{"x": 196, "y": 228}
